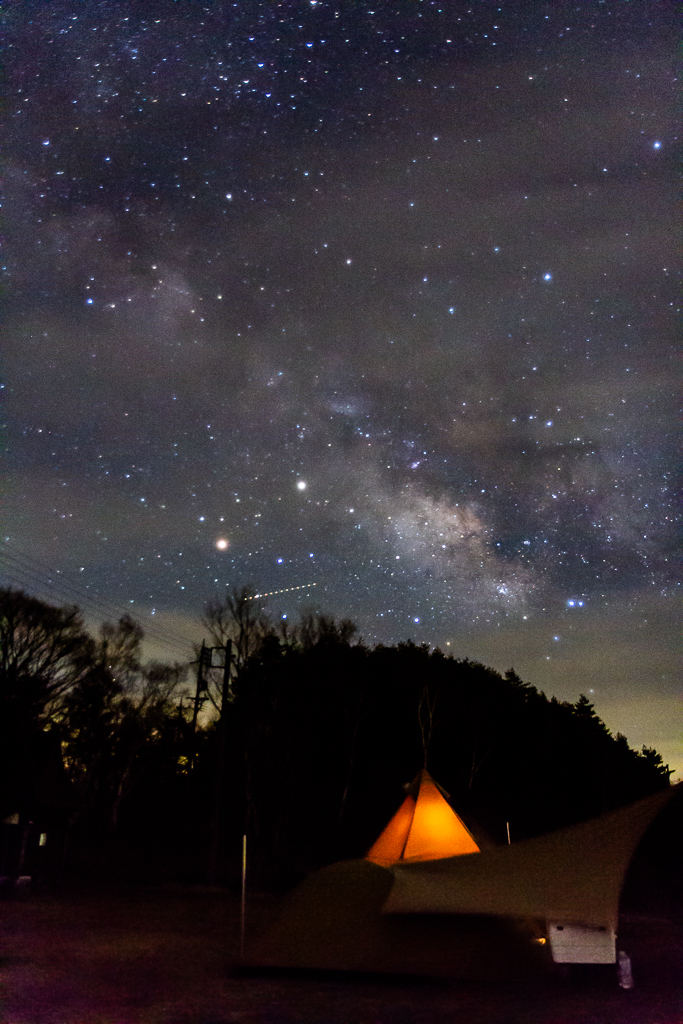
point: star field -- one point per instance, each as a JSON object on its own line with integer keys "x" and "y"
{"x": 381, "y": 298}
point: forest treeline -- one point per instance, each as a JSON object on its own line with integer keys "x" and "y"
{"x": 303, "y": 743}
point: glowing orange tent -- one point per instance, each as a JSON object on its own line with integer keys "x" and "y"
{"x": 425, "y": 827}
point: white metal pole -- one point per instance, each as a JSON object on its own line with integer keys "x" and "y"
{"x": 244, "y": 893}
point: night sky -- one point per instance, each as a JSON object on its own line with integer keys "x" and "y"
{"x": 377, "y": 297}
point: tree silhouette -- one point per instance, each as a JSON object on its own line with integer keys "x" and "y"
{"x": 111, "y": 717}
{"x": 43, "y": 652}
{"x": 310, "y": 752}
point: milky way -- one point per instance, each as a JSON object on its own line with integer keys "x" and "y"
{"x": 377, "y": 297}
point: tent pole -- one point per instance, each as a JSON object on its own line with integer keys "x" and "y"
{"x": 244, "y": 893}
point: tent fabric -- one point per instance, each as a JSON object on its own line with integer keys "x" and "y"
{"x": 334, "y": 922}
{"x": 425, "y": 827}
{"x": 573, "y": 875}
{"x": 389, "y": 846}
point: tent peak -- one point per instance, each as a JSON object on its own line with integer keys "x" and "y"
{"x": 423, "y": 776}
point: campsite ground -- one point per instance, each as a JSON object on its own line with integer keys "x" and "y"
{"x": 95, "y": 954}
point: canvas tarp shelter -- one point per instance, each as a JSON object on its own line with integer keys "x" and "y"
{"x": 425, "y": 827}
{"x": 574, "y": 874}
{"x": 474, "y": 916}
{"x": 333, "y": 921}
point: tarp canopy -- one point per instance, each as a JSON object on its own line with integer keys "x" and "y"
{"x": 425, "y": 827}
{"x": 573, "y": 875}
{"x": 333, "y": 921}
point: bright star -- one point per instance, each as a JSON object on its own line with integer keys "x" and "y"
{"x": 222, "y": 544}
{"x": 301, "y": 485}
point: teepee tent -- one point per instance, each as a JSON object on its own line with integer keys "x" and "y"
{"x": 425, "y": 827}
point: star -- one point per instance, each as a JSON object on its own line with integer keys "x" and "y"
{"x": 184, "y": 172}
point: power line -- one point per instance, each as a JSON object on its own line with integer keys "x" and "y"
{"x": 96, "y": 603}
{"x": 26, "y": 579}
{"x": 22, "y": 566}
{"x": 95, "y": 600}
{"x": 178, "y": 649}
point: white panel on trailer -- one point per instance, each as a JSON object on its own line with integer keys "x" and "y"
{"x": 582, "y": 944}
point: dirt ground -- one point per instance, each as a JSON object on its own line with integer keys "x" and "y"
{"x": 126, "y": 955}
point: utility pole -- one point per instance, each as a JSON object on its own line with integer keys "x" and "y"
{"x": 201, "y": 694}
{"x": 214, "y": 830}
{"x": 203, "y": 662}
